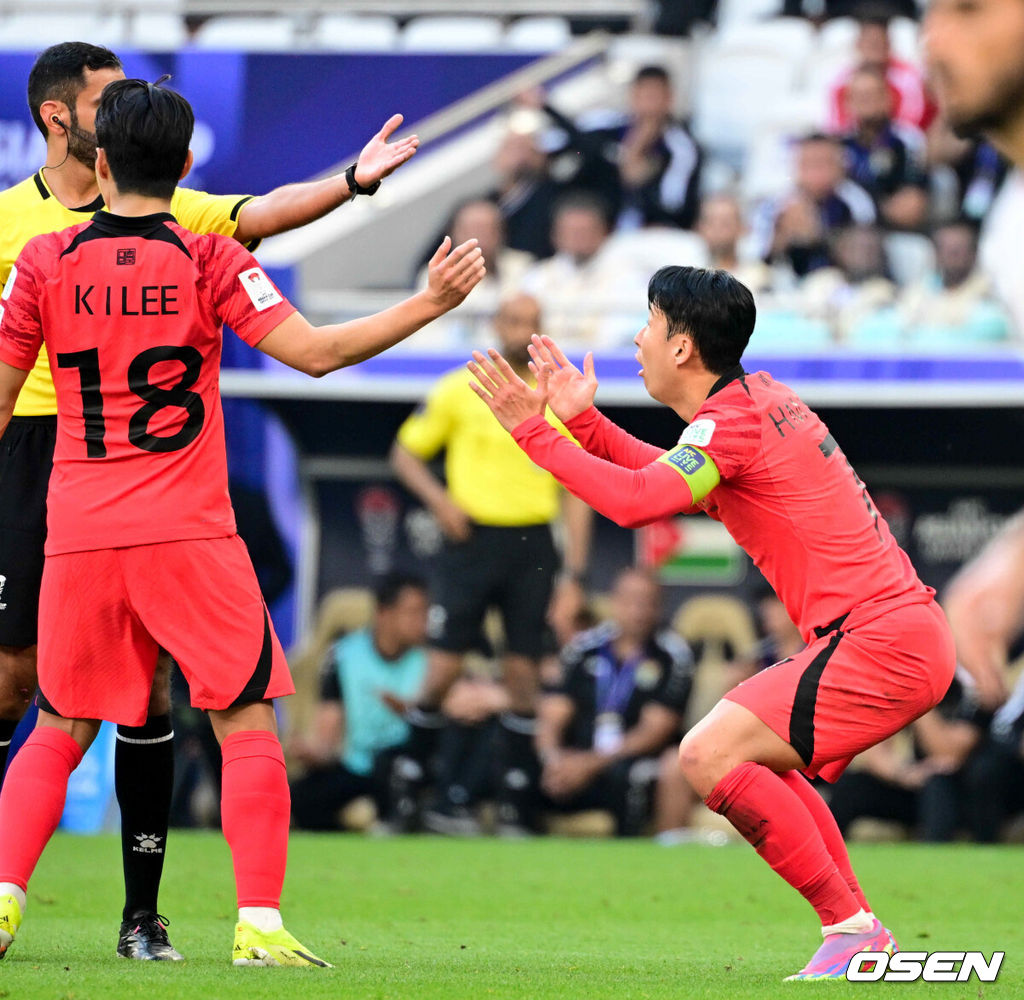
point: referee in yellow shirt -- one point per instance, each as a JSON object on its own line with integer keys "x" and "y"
{"x": 64, "y": 88}
{"x": 496, "y": 509}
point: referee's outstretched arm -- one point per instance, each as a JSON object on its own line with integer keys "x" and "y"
{"x": 317, "y": 350}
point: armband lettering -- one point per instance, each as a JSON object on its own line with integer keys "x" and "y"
{"x": 696, "y": 467}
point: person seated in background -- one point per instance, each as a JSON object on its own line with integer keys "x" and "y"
{"x": 883, "y": 156}
{"x": 465, "y": 773}
{"x": 622, "y": 699}
{"x": 911, "y": 104}
{"x": 779, "y": 639}
{"x": 355, "y": 727}
{"x": 955, "y": 306}
{"x": 966, "y": 174}
{"x": 721, "y": 226}
{"x": 932, "y": 791}
{"x": 587, "y": 292}
{"x": 854, "y": 289}
{"x": 795, "y": 230}
{"x": 642, "y": 162}
{"x": 479, "y": 219}
{"x": 998, "y": 766}
{"x": 675, "y": 799}
{"x": 526, "y": 193}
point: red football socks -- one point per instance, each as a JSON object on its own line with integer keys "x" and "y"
{"x": 32, "y": 800}
{"x": 255, "y": 808}
{"x": 776, "y": 822}
{"x": 826, "y": 824}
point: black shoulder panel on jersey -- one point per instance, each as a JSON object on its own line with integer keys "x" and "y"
{"x": 736, "y": 372}
{"x": 106, "y": 226}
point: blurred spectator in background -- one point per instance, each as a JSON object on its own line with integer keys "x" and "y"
{"x": 496, "y": 509}
{"x": 526, "y": 194}
{"x": 882, "y": 156}
{"x": 911, "y": 104}
{"x": 779, "y": 638}
{"x": 966, "y": 174}
{"x": 853, "y": 290}
{"x": 643, "y": 163}
{"x": 468, "y": 323}
{"x": 999, "y": 769}
{"x": 678, "y": 17}
{"x": 796, "y": 229}
{"x": 933, "y": 788}
{"x": 587, "y": 292}
{"x": 721, "y": 225}
{"x": 354, "y": 725}
{"x": 955, "y": 307}
{"x": 622, "y": 699}
{"x": 821, "y": 10}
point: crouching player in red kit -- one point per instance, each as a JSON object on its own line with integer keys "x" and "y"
{"x": 879, "y": 652}
{"x": 141, "y": 551}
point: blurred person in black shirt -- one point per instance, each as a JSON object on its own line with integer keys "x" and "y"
{"x": 621, "y": 701}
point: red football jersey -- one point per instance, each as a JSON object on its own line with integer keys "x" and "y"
{"x": 131, "y": 311}
{"x": 786, "y": 493}
{"x": 791, "y": 499}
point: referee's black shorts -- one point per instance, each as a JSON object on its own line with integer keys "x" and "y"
{"x": 26, "y": 460}
{"x": 512, "y": 569}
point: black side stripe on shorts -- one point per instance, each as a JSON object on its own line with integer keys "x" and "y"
{"x": 256, "y": 687}
{"x": 801, "y": 719}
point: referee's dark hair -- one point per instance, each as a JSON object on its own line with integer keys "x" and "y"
{"x": 715, "y": 309}
{"x": 58, "y": 74}
{"x": 388, "y": 589}
{"x": 144, "y": 130}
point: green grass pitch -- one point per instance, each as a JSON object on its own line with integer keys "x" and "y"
{"x": 433, "y": 918}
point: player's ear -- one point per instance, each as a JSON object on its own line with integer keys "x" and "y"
{"x": 187, "y": 167}
{"x": 102, "y": 164}
{"x": 683, "y": 350}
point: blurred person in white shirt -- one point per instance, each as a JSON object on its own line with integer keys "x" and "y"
{"x": 587, "y": 291}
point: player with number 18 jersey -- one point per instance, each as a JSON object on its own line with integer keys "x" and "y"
{"x": 132, "y": 310}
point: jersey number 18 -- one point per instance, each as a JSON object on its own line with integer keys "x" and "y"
{"x": 154, "y": 397}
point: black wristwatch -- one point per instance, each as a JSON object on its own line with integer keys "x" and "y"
{"x": 354, "y": 186}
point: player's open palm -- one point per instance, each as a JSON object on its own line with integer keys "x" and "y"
{"x": 507, "y": 396}
{"x": 570, "y": 391}
{"x": 380, "y": 157}
{"x": 452, "y": 276}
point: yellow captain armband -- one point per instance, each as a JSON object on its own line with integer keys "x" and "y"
{"x": 696, "y": 467}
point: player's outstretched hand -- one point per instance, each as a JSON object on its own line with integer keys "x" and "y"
{"x": 452, "y": 276}
{"x": 380, "y": 157}
{"x": 507, "y": 396}
{"x": 570, "y": 391}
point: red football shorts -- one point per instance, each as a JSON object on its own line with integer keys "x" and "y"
{"x": 854, "y": 686}
{"x": 104, "y": 615}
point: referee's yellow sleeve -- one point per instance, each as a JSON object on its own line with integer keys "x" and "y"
{"x": 428, "y": 428}
{"x": 207, "y": 213}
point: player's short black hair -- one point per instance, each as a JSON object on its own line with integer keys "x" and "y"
{"x": 715, "y": 309}
{"x": 144, "y": 130}
{"x": 653, "y": 72}
{"x": 388, "y": 589}
{"x": 58, "y": 74}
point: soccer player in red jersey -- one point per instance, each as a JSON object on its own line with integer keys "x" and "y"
{"x": 753, "y": 456}
{"x": 64, "y": 88}
{"x": 141, "y": 550}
